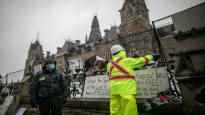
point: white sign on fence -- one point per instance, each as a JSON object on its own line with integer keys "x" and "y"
{"x": 149, "y": 82}
{"x": 96, "y": 87}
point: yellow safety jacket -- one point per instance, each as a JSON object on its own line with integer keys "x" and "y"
{"x": 122, "y": 75}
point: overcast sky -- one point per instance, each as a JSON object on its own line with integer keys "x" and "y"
{"x": 57, "y": 20}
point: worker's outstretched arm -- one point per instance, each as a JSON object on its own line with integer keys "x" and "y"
{"x": 141, "y": 61}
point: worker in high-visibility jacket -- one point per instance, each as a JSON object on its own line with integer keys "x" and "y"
{"x": 122, "y": 83}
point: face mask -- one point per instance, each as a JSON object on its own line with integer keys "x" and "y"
{"x": 51, "y": 67}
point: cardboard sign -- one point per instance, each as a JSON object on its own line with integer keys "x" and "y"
{"x": 96, "y": 87}
{"x": 149, "y": 81}
{"x": 38, "y": 69}
{"x": 75, "y": 63}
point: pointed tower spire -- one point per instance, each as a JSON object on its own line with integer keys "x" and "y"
{"x": 95, "y": 33}
{"x": 37, "y": 36}
{"x": 86, "y": 38}
{"x": 37, "y": 41}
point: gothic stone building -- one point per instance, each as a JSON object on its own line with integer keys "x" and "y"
{"x": 35, "y": 55}
{"x": 135, "y": 30}
{"x": 71, "y": 50}
{"x": 134, "y": 33}
{"x": 134, "y": 17}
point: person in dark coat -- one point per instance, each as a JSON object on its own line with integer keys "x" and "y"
{"x": 47, "y": 90}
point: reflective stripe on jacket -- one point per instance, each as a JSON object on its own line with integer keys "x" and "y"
{"x": 125, "y": 86}
{"x": 126, "y": 76}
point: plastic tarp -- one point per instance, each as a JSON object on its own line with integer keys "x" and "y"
{"x": 7, "y": 102}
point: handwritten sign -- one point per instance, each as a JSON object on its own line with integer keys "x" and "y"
{"x": 38, "y": 68}
{"x": 149, "y": 83}
{"x": 96, "y": 87}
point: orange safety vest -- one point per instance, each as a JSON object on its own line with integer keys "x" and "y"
{"x": 127, "y": 76}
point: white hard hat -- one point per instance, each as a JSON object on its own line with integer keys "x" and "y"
{"x": 116, "y": 48}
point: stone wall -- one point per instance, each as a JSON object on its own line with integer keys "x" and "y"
{"x": 140, "y": 42}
